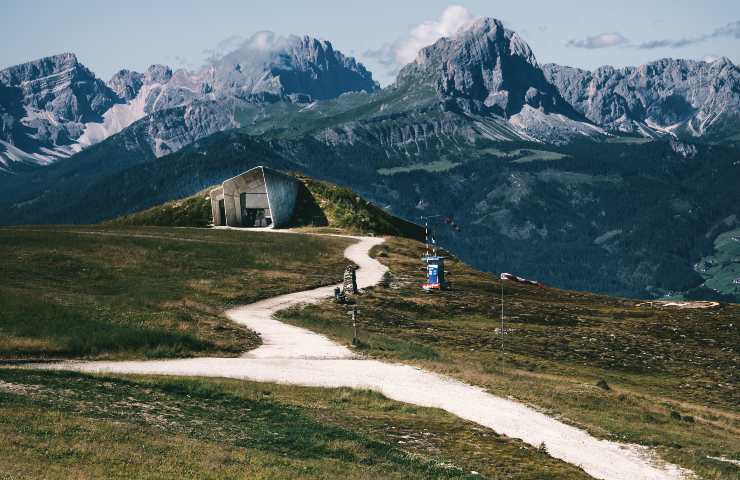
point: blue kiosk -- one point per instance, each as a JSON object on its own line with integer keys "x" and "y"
{"x": 435, "y": 263}
{"x": 435, "y": 272}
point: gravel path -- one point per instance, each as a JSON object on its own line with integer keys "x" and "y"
{"x": 293, "y": 355}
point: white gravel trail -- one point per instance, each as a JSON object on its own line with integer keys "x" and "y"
{"x": 292, "y": 355}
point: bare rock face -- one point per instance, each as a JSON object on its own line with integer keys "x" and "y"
{"x": 126, "y": 84}
{"x": 62, "y": 86}
{"x": 678, "y": 95}
{"x": 486, "y": 69}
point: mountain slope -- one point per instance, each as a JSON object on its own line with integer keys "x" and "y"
{"x": 623, "y": 218}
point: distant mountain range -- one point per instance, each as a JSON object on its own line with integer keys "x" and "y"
{"x": 616, "y": 180}
{"x": 54, "y": 107}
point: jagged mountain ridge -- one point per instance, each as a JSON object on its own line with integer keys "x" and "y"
{"x": 54, "y": 107}
{"x": 292, "y": 66}
{"x": 485, "y": 73}
{"x": 669, "y": 96}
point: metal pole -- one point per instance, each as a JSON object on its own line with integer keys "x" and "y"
{"x": 426, "y": 234}
{"x": 503, "y": 354}
{"x": 354, "y": 325}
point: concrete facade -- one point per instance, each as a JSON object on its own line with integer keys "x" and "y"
{"x": 217, "y": 206}
{"x": 258, "y": 198}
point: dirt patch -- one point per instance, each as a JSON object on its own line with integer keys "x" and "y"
{"x": 679, "y": 305}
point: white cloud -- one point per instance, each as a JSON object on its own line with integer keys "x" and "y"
{"x": 259, "y": 43}
{"x": 224, "y": 46}
{"x": 453, "y": 18}
{"x": 602, "y": 40}
{"x": 263, "y": 41}
{"x": 393, "y": 56}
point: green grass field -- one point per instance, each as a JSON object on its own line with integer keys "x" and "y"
{"x": 524, "y": 155}
{"x": 68, "y": 425}
{"x": 670, "y": 375}
{"x": 132, "y": 292}
{"x": 662, "y": 378}
{"x": 114, "y": 292}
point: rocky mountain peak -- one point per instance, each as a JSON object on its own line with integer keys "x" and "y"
{"x": 283, "y": 66}
{"x": 43, "y": 67}
{"x": 158, "y": 74}
{"x": 486, "y": 68}
{"x": 126, "y": 83}
{"x": 44, "y": 105}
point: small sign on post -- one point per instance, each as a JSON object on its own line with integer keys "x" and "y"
{"x": 355, "y": 339}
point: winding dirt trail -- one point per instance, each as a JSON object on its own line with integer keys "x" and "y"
{"x": 293, "y": 355}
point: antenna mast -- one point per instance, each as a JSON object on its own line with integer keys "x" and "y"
{"x": 503, "y": 353}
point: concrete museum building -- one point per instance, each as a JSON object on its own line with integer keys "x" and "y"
{"x": 260, "y": 197}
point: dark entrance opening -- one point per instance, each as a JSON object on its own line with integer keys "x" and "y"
{"x": 221, "y": 213}
{"x": 257, "y": 214}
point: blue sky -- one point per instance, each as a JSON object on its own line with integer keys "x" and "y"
{"x": 107, "y": 36}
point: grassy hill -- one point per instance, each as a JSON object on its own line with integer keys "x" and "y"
{"x": 622, "y": 369}
{"x": 119, "y": 292}
{"x": 625, "y": 370}
{"x": 319, "y": 204}
{"x": 192, "y": 211}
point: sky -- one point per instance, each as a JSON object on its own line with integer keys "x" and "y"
{"x": 383, "y": 34}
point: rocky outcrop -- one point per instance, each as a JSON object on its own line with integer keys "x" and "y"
{"x": 126, "y": 84}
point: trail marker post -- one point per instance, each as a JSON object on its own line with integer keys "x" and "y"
{"x": 354, "y": 326}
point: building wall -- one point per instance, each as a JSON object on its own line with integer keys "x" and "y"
{"x": 282, "y": 192}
